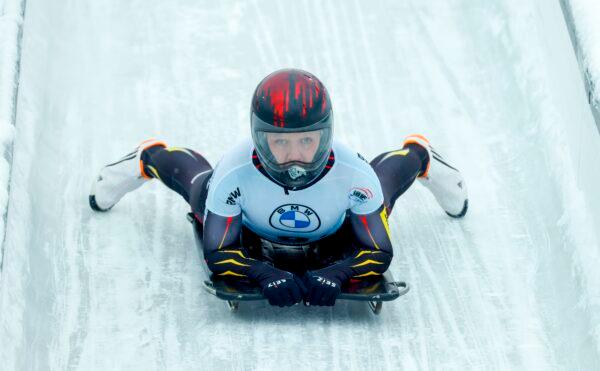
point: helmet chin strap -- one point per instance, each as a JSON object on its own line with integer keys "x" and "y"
{"x": 296, "y": 172}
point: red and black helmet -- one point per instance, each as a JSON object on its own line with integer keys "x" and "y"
{"x": 292, "y": 101}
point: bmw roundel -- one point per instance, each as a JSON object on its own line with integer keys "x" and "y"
{"x": 295, "y": 218}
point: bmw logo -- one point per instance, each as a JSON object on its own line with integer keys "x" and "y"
{"x": 296, "y": 218}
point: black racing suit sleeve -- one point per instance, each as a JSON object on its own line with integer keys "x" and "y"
{"x": 222, "y": 251}
{"x": 373, "y": 251}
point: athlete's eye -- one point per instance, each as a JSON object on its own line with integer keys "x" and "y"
{"x": 281, "y": 142}
{"x": 306, "y": 141}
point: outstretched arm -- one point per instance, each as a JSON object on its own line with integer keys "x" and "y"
{"x": 371, "y": 258}
{"x": 226, "y": 257}
{"x": 222, "y": 252}
{"x": 374, "y": 253}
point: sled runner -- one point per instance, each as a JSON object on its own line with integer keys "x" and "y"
{"x": 373, "y": 291}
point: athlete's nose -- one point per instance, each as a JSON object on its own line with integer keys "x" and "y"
{"x": 295, "y": 153}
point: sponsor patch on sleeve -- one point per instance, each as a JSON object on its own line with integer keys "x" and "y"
{"x": 233, "y": 196}
{"x": 360, "y": 195}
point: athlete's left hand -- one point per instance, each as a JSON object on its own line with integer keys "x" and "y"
{"x": 322, "y": 288}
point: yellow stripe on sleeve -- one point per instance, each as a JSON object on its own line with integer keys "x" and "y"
{"x": 371, "y": 273}
{"x": 232, "y": 261}
{"x": 384, "y": 220}
{"x": 366, "y": 262}
{"x": 230, "y": 273}
{"x": 363, "y": 252}
{"x": 235, "y": 252}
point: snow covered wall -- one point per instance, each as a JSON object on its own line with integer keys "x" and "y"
{"x": 586, "y": 17}
{"x": 583, "y": 21}
{"x": 578, "y": 171}
{"x": 493, "y": 83}
{"x": 11, "y": 19}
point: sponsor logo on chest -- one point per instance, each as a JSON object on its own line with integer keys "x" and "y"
{"x": 295, "y": 218}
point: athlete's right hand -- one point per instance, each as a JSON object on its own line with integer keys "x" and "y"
{"x": 281, "y": 288}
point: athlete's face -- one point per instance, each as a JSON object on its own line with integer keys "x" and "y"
{"x": 294, "y": 147}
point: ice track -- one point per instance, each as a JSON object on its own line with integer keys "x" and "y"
{"x": 122, "y": 290}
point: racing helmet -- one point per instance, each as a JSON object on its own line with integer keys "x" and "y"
{"x": 292, "y": 126}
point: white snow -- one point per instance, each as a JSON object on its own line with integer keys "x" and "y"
{"x": 494, "y": 85}
{"x": 586, "y": 14}
{"x": 10, "y": 23}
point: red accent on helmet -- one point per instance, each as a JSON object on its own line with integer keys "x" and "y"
{"x": 291, "y": 98}
{"x": 291, "y": 101}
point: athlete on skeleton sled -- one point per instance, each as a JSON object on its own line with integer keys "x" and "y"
{"x": 291, "y": 191}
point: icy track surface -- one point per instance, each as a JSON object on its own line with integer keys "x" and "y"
{"x": 122, "y": 290}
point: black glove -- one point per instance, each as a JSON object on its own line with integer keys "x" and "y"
{"x": 281, "y": 288}
{"x": 322, "y": 288}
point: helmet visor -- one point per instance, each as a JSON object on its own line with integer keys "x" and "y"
{"x": 306, "y": 150}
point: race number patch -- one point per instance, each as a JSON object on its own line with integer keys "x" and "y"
{"x": 296, "y": 218}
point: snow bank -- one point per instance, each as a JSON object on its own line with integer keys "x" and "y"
{"x": 576, "y": 168}
{"x": 586, "y": 18}
{"x": 11, "y": 17}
